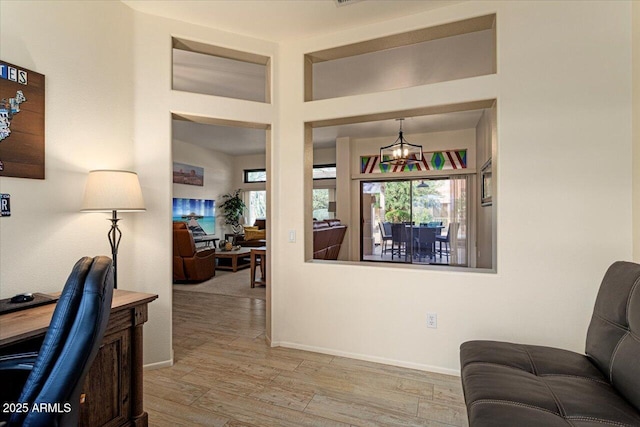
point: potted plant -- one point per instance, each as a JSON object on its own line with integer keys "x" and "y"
{"x": 232, "y": 209}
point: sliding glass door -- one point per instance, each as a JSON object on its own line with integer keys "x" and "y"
{"x": 418, "y": 221}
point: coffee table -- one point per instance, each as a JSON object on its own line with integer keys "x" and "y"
{"x": 233, "y": 260}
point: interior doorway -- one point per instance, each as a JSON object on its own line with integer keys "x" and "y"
{"x": 223, "y": 149}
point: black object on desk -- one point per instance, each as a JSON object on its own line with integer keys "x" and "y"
{"x": 6, "y": 306}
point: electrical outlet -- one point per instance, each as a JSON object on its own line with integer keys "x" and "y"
{"x": 292, "y": 236}
{"x": 432, "y": 320}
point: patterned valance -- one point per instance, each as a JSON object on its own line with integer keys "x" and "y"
{"x": 435, "y": 160}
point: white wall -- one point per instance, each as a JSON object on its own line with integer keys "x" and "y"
{"x": 636, "y": 131}
{"x": 88, "y": 125}
{"x": 154, "y": 101}
{"x": 108, "y": 105}
{"x": 218, "y": 176}
{"x": 240, "y": 163}
{"x": 563, "y": 88}
{"x": 324, "y": 156}
{"x": 564, "y": 92}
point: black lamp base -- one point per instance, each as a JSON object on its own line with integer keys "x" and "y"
{"x": 114, "y": 240}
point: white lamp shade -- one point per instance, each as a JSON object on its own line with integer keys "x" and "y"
{"x": 111, "y": 190}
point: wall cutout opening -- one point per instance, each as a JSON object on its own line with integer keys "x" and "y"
{"x": 446, "y": 52}
{"x": 431, "y": 213}
{"x": 213, "y": 70}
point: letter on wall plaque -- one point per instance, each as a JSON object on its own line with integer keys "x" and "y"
{"x": 5, "y": 205}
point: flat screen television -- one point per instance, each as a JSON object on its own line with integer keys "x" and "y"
{"x": 199, "y": 214}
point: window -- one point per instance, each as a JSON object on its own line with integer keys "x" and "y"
{"x": 255, "y": 175}
{"x": 321, "y": 204}
{"x": 419, "y": 221}
{"x": 319, "y": 172}
{"x": 257, "y": 206}
{"x": 324, "y": 171}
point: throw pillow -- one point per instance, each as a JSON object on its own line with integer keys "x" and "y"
{"x": 255, "y": 234}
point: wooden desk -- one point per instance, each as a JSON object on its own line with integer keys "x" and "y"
{"x": 113, "y": 387}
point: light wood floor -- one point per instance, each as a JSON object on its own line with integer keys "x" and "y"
{"x": 225, "y": 375}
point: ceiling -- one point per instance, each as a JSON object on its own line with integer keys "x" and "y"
{"x": 281, "y": 20}
{"x": 225, "y": 138}
{"x": 234, "y": 141}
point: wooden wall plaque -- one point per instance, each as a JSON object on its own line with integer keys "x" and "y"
{"x": 21, "y": 122}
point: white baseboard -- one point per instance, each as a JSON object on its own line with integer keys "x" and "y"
{"x": 158, "y": 365}
{"x": 368, "y": 358}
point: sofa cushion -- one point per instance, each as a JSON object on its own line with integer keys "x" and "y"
{"x": 509, "y": 384}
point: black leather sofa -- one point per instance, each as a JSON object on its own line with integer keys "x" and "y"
{"x": 517, "y": 385}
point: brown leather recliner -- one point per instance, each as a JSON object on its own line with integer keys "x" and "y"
{"x": 190, "y": 264}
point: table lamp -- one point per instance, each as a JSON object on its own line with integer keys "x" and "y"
{"x": 113, "y": 191}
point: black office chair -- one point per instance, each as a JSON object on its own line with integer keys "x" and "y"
{"x": 71, "y": 343}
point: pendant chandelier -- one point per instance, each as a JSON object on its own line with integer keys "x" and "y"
{"x": 401, "y": 152}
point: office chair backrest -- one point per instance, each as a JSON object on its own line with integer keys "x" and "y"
{"x": 70, "y": 345}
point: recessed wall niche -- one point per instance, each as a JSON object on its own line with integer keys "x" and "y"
{"x": 445, "y": 52}
{"x": 213, "y": 70}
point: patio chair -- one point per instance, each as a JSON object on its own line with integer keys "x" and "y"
{"x": 400, "y": 240}
{"x": 425, "y": 243}
{"x": 452, "y": 230}
{"x": 385, "y": 235}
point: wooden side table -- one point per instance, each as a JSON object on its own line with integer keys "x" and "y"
{"x": 259, "y": 257}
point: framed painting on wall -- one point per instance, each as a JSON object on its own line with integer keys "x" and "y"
{"x": 486, "y": 198}
{"x": 21, "y": 122}
{"x": 199, "y": 214}
{"x": 188, "y": 174}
